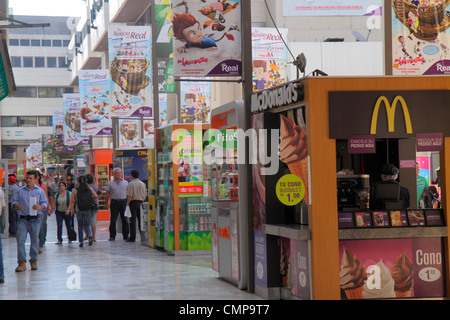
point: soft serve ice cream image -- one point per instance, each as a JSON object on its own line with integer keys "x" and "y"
{"x": 294, "y": 149}
{"x": 379, "y": 283}
{"x": 352, "y": 275}
{"x": 402, "y": 273}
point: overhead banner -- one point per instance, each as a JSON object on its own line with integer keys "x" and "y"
{"x": 207, "y": 38}
{"x": 34, "y": 155}
{"x": 72, "y": 121}
{"x": 58, "y": 130}
{"x": 129, "y": 133}
{"x": 195, "y": 101}
{"x": 269, "y": 57}
{"x": 420, "y": 38}
{"x": 295, "y": 8}
{"x": 130, "y": 66}
{"x": 95, "y": 110}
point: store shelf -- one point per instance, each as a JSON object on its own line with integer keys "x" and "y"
{"x": 291, "y": 231}
{"x": 392, "y": 233}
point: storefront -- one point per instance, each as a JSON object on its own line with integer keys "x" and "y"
{"x": 309, "y": 239}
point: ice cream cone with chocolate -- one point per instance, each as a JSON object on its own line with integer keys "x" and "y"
{"x": 402, "y": 273}
{"x": 294, "y": 150}
{"x": 352, "y": 275}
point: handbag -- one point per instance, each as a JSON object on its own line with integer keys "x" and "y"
{"x": 72, "y": 234}
{"x": 127, "y": 213}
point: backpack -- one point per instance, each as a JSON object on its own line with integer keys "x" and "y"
{"x": 85, "y": 200}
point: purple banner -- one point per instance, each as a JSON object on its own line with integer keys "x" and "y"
{"x": 345, "y": 220}
{"x": 260, "y": 259}
{"x": 429, "y": 142}
{"x": 361, "y": 143}
{"x": 407, "y": 164}
{"x": 300, "y": 263}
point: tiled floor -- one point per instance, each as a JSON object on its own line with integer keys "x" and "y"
{"x": 112, "y": 270}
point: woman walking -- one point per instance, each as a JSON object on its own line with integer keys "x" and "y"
{"x": 84, "y": 198}
{"x": 61, "y": 202}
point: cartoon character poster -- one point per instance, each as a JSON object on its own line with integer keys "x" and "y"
{"x": 58, "y": 130}
{"x": 130, "y": 66}
{"x": 207, "y": 38}
{"x": 72, "y": 120}
{"x": 129, "y": 133}
{"x": 420, "y": 37}
{"x": 269, "y": 57}
{"x": 95, "y": 111}
{"x": 195, "y": 101}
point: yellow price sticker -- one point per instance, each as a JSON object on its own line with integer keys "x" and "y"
{"x": 290, "y": 189}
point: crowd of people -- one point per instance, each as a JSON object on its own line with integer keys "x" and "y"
{"x": 32, "y": 200}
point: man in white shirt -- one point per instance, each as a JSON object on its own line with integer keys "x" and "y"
{"x": 136, "y": 194}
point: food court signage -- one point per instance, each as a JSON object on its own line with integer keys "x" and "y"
{"x": 389, "y": 114}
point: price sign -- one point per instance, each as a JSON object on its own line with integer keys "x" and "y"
{"x": 290, "y": 189}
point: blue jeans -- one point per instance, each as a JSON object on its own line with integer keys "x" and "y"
{"x": 43, "y": 231}
{"x": 23, "y": 228}
{"x": 2, "y": 271}
{"x": 83, "y": 219}
{"x": 60, "y": 217}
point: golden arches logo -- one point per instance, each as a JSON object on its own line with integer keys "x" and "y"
{"x": 390, "y": 113}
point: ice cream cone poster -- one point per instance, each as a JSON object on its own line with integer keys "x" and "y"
{"x": 290, "y": 189}
{"x": 207, "y": 38}
{"x": 95, "y": 109}
{"x": 269, "y": 57}
{"x": 58, "y": 130}
{"x": 129, "y": 134}
{"x": 393, "y": 268}
{"x": 72, "y": 121}
{"x": 293, "y": 147}
{"x": 130, "y": 67}
{"x": 420, "y": 37}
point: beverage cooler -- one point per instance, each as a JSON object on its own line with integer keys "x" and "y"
{"x": 226, "y": 179}
{"x": 182, "y": 218}
{"x": 100, "y": 166}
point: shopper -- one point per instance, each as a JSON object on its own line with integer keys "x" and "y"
{"x": 93, "y": 222}
{"x": 43, "y": 232}
{"x": 116, "y": 190}
{"x": 136, "y": 194}
{"x": 31, "y": 204}
{"x": 13, "y": 187}
{"x": 61, "y": 204}
{"x": 84, "y": 197}
{"x": 2, "y": 212}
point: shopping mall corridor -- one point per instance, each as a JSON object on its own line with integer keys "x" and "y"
{"x": 111, "y": 270}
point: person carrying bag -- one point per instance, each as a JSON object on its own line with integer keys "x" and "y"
{"x": 61, "y": 203}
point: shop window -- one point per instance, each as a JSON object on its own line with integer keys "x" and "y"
{"x": 27, "y": 121}
{"x": 25, "y": 92}
{"x": 39, "y": 62}
{"x": 9, "y": 152}
{"x": 28, "y": 62}
{"x": 51, "y": 62}
{"x": 62, "y": 62}
{"x": 9, "y": 122}
{"x": 66, "y": 43}
{"x": 45, "y": 121}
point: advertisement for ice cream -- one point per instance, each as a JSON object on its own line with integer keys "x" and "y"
{"x": 207, "y": 38}
{"x": 72, "y": 121}
{"x": 392, "y": 268}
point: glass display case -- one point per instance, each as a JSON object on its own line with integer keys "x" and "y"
{"x": 164, "y": 214}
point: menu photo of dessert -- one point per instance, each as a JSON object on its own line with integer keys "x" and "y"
{"x": 416, "y": 217}
{"x": 293, "y": 147}
{"x": 391, "y": 277}
{"x": 363, "y": 219}
{"x": 380, "y": 219}
{"x": 398, "y": 218}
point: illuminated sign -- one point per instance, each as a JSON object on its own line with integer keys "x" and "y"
{"x": 390, "y": 114}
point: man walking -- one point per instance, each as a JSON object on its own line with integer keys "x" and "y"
{"x": 136, "y": 194}
{"x": 116, "y": 190}
{"x": 31, "y": 204}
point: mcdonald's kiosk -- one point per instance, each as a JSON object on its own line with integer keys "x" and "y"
{"x": 305, "y": 246}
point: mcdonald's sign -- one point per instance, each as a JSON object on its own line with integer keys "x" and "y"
{"x": 390, "y": 114}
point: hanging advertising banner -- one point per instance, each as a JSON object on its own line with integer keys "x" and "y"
{"x": 269, "y": 57}
{"x": 189, "y": 151}
{"x": 163, "y": 109}
{"x": 207, "y": 38}
{"x": 72, "y": 121}
{"x": 295, "y": 8}
{"x": 47, "y": 149}
{"x": 420, "y": 37}
{"x": 34, "y": 155}
{"x": 195, "y": 101}
{"x": 129, "y": 133}
{"x": 130, "y": 66}
{"x": 58, "y": 130}
{"x": 95, "y": 110}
